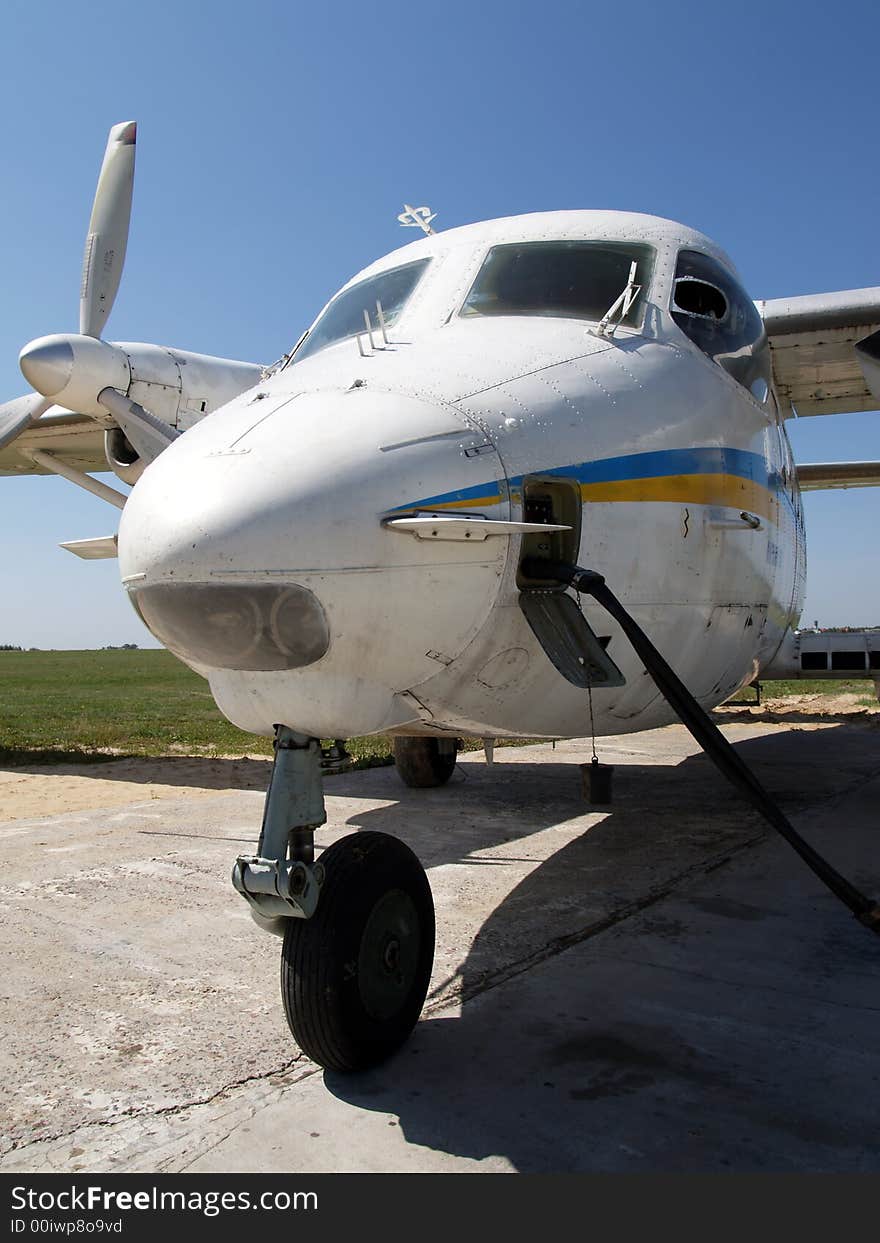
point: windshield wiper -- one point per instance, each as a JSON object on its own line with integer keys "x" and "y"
{"x": 622, "y": 305}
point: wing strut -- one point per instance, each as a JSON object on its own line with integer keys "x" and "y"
{"x": 79, "y": 477}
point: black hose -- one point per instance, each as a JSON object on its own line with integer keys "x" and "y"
{"x": 706, "y": 732}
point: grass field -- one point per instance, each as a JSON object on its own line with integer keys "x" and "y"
{"x": 136, "y": 702}
{"x": 63, "y": 705}
{"x": 813, "y": 686}
{"x": 82, "y": 705}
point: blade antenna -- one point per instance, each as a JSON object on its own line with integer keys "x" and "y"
{"x": 380, "y": 315}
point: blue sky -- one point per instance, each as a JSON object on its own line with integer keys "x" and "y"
{"x": 277, "y": 142}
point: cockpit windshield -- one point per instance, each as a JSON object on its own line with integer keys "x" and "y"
{"x": 711, "y": 308}
{"x": 574, "y": 280}
{"x": 344, "y": 317}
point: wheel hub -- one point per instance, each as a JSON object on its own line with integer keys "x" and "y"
{"x": 389, "y": 954}
{"x": 391, "y": 957}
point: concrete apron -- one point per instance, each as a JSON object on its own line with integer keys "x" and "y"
{"x": 659, "y": 985}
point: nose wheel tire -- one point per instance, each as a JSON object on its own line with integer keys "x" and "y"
{"x": 354, "y": 977}
{"x": 423, "y": 762}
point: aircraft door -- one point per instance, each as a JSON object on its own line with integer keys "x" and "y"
{"x": 555, "y": 619}
{"x": 556, "y": 501}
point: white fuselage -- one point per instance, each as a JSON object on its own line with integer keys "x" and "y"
{"x": 288, "y": 484}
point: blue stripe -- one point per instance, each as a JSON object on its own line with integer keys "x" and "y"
{"x": 488, "y": 493}
{"x": 709, "y": 461}
{"x": 697, "y": 461}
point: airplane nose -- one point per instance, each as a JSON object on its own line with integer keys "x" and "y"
{"x": 47, "y": 365}
{"x": 254, "y": 548}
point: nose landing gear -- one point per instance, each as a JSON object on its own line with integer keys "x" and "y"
{"x": 358, "y": 923}
{"x": 354, "y": 976}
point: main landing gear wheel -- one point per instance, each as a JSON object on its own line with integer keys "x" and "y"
{"x": 423, "y": 762}
{"x": 354, "y": 976}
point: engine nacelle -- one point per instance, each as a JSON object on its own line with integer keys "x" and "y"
{"x": 122, "y": 457}
{"x": 178, "y": 387}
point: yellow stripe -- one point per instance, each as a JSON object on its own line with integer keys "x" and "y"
{"x": 730, "y": 491}
{"x": 473, "y": 502}
{"x": 726, "y": 490}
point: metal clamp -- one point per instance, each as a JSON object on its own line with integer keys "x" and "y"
{"x": 278, "y": 886}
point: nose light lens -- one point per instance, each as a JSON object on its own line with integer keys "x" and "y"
{"x": 251, "y": 627}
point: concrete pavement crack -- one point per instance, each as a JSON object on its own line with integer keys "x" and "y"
{"x": 160, "y": 1112}
{"x": 562, "y": 943}
{"x": 445, "y": 993}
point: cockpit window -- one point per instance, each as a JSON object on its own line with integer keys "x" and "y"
{"x": 573, "y": 280}
{"x": 720, "y": 318}
{"x": 344, "y": 317}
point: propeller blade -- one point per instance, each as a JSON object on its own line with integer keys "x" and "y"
{"x": 108, "y": 230}
{"x": 16, "y": 416}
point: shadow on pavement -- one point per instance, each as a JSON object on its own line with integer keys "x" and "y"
{"x": 719, "y": 1020}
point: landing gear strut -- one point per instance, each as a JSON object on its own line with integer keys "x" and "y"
{"x": 358, "y": 923}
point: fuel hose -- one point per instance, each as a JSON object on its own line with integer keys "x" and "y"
{"x": 705, "y": 731}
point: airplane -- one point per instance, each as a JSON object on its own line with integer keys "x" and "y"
{"x": 384, "y": 532}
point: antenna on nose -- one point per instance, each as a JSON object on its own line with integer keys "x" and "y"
{"x": 417, "y": 218}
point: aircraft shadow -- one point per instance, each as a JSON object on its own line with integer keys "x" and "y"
{"x": 731, "y": 715}
{"x": 573, "y": 1061}
{"x": 194, "y": 772}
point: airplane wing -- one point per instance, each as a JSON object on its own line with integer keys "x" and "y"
{"x": 826, "y": 351}
{"x": 73, "y": 438}
{"x": 817, "y": 475}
